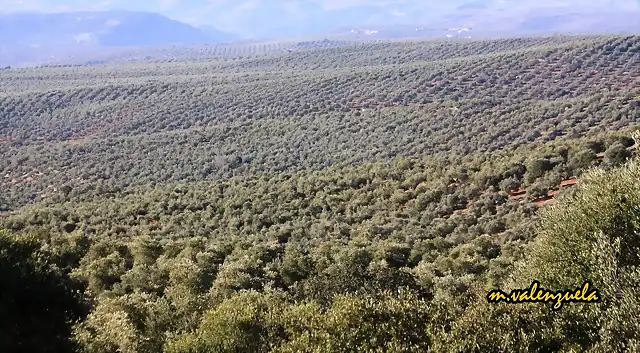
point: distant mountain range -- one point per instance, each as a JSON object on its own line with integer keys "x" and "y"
{"x": 27, "y": 37}
{"x": 31, "y": 37}
{"x": 280, "y": 18}
{"x": 540, "y": 23}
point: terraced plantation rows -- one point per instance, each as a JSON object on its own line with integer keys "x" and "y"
{"x": 287, "y": 120}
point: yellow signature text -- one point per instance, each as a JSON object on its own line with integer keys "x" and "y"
{"x": 536, "y": 294}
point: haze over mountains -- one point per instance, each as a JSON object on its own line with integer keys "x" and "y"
{"x": 31, "y": 31}
{"x": 27, "y": 36}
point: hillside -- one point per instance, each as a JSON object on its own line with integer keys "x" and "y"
{"x": 355, "y": 197}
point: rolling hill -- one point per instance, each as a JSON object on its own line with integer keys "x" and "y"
{"x": 362, "y": 196}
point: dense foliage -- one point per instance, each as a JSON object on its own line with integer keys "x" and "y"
{"x": 357, "y": 198}
{"x": 39, "y": 300}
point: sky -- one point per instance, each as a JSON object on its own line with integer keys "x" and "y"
{"x": 246, "y": 17}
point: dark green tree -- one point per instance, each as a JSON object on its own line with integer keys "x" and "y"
{"x": 38, "y": 302}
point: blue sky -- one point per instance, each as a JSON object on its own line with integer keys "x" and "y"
{"x": 246, "y": 16}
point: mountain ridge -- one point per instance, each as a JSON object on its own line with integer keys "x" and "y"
{"x": 28, "y": 38}
{"x": 34, "y": 36}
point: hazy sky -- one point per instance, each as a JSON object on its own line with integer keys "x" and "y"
{"x": 245, "y": 16}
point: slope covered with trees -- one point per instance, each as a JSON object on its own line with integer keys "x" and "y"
{"x": 357, "y": 198}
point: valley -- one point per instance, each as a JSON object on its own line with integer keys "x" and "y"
{"x": 357, "y": 197}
